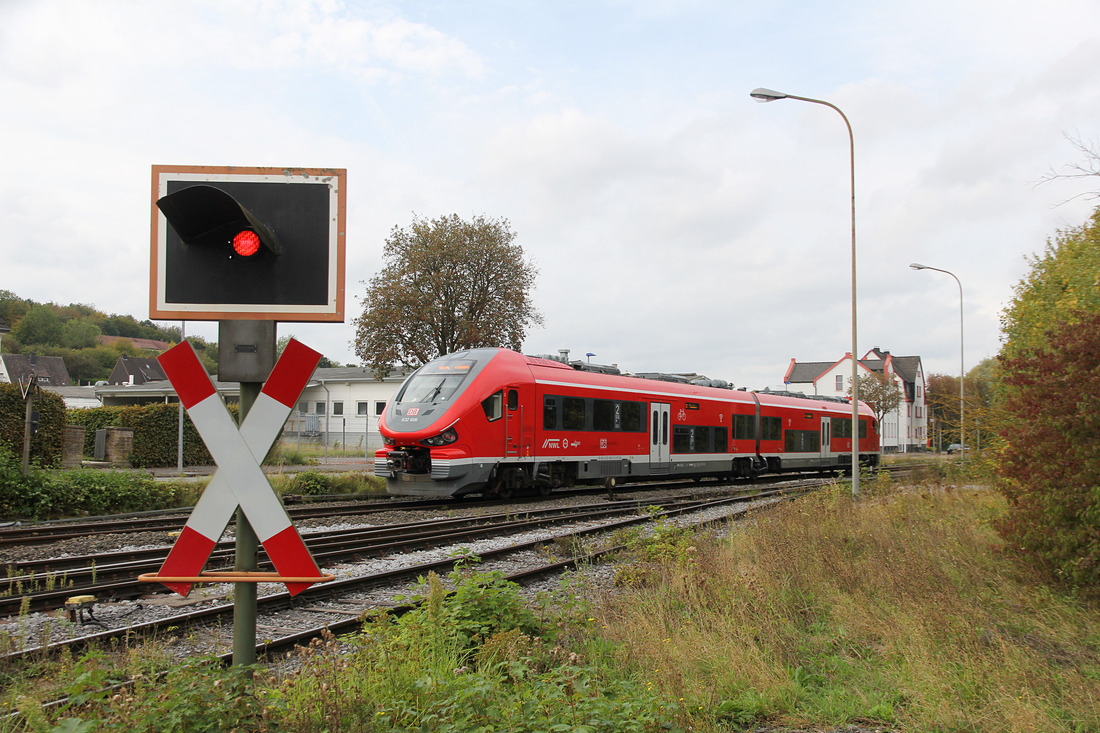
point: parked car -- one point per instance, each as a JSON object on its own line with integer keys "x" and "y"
{"x": 957, "y": 448}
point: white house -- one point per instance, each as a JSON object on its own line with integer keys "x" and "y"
{"x": 341, "y": 406}
{"x": 904, "y": 430}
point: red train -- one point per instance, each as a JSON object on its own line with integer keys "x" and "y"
{"x": 495, "y": 421}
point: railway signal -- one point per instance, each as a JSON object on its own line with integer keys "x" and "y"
{"x": 205, "y": 216}
{"x": 247, "y": 243}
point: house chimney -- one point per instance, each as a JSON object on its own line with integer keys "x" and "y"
{"x": 563, "y": 354}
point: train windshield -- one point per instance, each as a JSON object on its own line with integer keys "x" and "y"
{"x": 436, "y": 382}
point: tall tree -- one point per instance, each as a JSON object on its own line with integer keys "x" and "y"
{"x": 1090, "y": 168}
{"x": 943, "y": 398}
{"x": 881, "y": 392}
{"x": 1049, "y": 394}
{"x": 447, "y": 285}
{"x": 41, "y": 325}
{"x": 1051, "y": 461}
{"x": 1064, "y": 282}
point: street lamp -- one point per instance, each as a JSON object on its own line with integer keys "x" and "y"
{"x": 962, "y": 357}
{"x": 767, "y": 95}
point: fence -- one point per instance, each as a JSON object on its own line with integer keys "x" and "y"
{"x": 336, "y": 431}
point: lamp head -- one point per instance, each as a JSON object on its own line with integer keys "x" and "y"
{"x": 918, "y": 266}
{"x": 760, "y": 94}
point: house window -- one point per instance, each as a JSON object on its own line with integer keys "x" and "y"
{"x": 379, "y": 408}
{"x": 303, "y": 408}
{"x": 918, "y": 390}
{"x": 361, "y": 409}
{"x": 337, "y": 408}
{"x": 840, "y": 383}
{"x": 320, "y": 408}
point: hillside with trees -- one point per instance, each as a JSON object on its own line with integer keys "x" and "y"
{"x": 73, "y": 332}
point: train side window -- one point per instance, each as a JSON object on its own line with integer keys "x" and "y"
{"x": 655, "y": 427}
{"x": 744, "y": 427}
{"x": 549, "y": 413}
{"x": 721, "y": 441}
{"x": 633, "y": 417}
{"x": 683, "y": 439}
{"x": 513, "y": 399}
{"x": 603, "y": 415}
{"x": 802, "y": 441}
{"x": 573, "y": 413}
{"x": 771, "y": 428}
{"x": 493, "y": 406}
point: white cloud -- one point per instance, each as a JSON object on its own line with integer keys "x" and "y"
{"x": 677, "y": 224}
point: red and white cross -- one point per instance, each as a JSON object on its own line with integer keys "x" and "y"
{"x": 239, "y": 480}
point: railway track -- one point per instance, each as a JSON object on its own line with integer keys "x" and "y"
{"x": 26, "y": 534}
{"x": 337, "y": 610}
{"x": 114, "y": 576}
{"x": 44, "y": 584}
{"x": 340, "y": 602}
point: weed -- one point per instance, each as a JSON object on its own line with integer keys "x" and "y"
{"x": 433, "y": 670}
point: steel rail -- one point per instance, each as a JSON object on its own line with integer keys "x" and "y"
{"x": 338, "y": 587}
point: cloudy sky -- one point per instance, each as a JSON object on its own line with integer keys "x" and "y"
{"x": 677, "y": 224}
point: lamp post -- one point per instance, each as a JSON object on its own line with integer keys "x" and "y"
{"x": 767, "y": 95}
{"x": 962, "y": 356}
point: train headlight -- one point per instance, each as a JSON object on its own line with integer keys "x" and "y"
{"x": 447, "y": 437}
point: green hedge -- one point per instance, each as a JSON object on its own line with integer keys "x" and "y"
{"x": 46, "y": 443}
{"x": 156, "y": 433}
{"x": 81, "y": 492}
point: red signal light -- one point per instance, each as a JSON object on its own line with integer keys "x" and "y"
{"x": 246, "y": 243}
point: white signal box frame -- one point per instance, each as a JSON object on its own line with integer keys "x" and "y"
{"x": 161, "y": 308}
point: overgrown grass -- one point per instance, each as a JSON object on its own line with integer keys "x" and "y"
{"x": 296, "y": 453}
{"x": 901, "y": 608}
{"x": 474, "y": 660}
{"x": 315, "y": 483}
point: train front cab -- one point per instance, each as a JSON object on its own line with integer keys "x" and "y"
{"x": 464, "y": 439}
{"x": 430, "y": 447}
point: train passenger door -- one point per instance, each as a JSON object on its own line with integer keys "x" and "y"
{"x": 519, "y": 424}
{"x": 827, "y": 438}
{"x": 659, "y": 428}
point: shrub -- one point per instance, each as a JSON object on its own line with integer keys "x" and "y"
{"x": 1051, "y": 461}
{"x": 41, "y": 494}
{"x": 310, "y": 483}
{"x": 156, "y": 433}
{"x": 198, "y": 695}
{"x": 21, "y": 496}
{"x": 46, "y": 443}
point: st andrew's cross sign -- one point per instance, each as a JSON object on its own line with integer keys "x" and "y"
{"x": 239, "y": 480}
